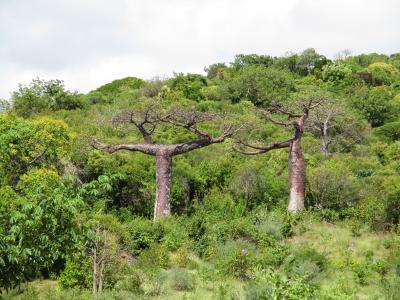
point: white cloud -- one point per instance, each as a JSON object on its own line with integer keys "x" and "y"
{"x": 90, "y": 42}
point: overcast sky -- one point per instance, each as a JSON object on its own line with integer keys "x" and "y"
{"x": 88, "y": 43}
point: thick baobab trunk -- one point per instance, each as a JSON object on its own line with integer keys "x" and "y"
{"x": 163, "y": 193}
{"x": 297, "y": 170}
{"x": 296, "y": 177}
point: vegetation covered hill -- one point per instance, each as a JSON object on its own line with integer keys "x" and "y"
{"x": 88, "y": 204}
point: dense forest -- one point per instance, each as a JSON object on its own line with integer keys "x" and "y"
{"x": 266, "y": 178}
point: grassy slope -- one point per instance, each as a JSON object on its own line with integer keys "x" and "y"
{"x": 344, "y": 250}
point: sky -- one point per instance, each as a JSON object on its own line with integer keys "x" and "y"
{"x": 88, "y": 43}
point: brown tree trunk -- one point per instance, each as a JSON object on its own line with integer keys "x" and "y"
{"x": 325, "y": 139}
{"x": 94, "y": 272}
{"x": 101, "y": 276}
{"x": 296, "y": 174}
{"x": 163, "y": 191}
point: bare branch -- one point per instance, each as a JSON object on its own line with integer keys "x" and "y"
{"x": 39, "y": 156}
{"x": 188, "y": 120}
{"x": 261, "y": 149}
{"x": 144, "y": 148}
{"x": 277, "y": 107}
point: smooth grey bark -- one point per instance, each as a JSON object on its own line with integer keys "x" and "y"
{"x": 297, "y": 170}
{"x": 296, "y": 162}
{"x": 162, "y": 205}
{"x": 164, "y": 154}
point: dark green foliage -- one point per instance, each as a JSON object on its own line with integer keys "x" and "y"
{"x": 389, "y": 131}
{"x": 242, "y": 60}
{"x": 260, "y": 85}
{"x": 304, "y": 263}
{"x": 216, "y": 71}
{"x": 236, "y": 258}
{"x": 43, "y": 95}
{"x": 112, "y": 89}
{"x": 190, "y": 85}
{"x": 40, "y": 230}
{"x": 268, "y": 285}
{"x": 77, "y": 273}
{"x": 142, "y": 234}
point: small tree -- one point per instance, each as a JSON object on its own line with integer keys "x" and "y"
{"x": 296, "y": 156}
{"x": 103, "y": 250}
{"x": 335, "y": 125}
{"x": 146, "y": 122}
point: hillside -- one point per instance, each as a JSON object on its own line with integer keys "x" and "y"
{"x": 142, "y": 189}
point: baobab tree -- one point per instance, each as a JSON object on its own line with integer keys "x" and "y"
{"x": 146, "y": 121}
{"x": 296, "y": 161}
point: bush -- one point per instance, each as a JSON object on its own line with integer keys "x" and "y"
{"x": 181, "y": 257}
{"x": 175, "y": 234}
{"x": 389, "y": 131}
{"x": 131, "y": 283}
{"x": 77, "y": 273}
{"x": 332, "y": 187}
{"x": 304, "y": 262}
{"x": 154, "y": 285}
{"x": 236, "y": 258}
{"x": 142, "y": 233}
{"x": 274, "y": 223}
{"x": 181, "y": 280}
{"x": 266, "y": 284}
{"x": 43, "y": 95}
{"x": 153, "y": 258}
{"x": 361, "y": 271}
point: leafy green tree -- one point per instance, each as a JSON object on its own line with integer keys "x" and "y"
{"x": 5, "y": 106}
{"x": 389, "y": 131}
{"x": 244, "y": 60}
{"x": 309, "y": 61}
{"x": 118, "y": 86}
{"x": 381, "y": 73}
{"x": 376, "y": 105}
{"x": 394, "y": 60}
{"x": 26, "y": 144}
{"x": 260, "y": 85}
{"x": 288, "y": 62}
{"x": 190, "y": 85}
{"x": 39, "y": 227}
{"x": 216, "y": 71}
{"x": 364, "y": 60}
{"x": 43, "y": 95}
{"x": 336, "y": 73}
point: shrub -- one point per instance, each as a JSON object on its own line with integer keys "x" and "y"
{"x": 154, "y": 285}
{"x": 181, "y": 280}
{"x": 304, "y": 262}
{"x": 77, "y": 273}
{"x": 175, "y": 234}
{"x": 153, "y": 258}
{"x": 361, "y": 272}
{"x": 273, "y": 223}
{"x": 43, "y": 95}
{"x": 266, "y": 285}
{"x": 236, "y": 258}
{"x": 131, "y": 283}
{"x": 181, "y": 257}
{"x": 142, "y": 233}
{"x": 332, "y": 187}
